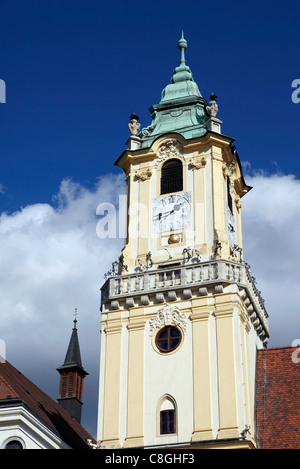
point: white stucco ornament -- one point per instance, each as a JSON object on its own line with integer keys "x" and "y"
{"x": 170, "y": 148}
{"x": 168, "y": 315}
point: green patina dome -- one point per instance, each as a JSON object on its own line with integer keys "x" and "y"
{"x": 182, "y": 83}
{"x": 182, "y": 107}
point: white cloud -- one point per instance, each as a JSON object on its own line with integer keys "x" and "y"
{"x": 271, "y": 233}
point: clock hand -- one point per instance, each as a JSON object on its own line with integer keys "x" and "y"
{"x": 176, "y": 208}
{"x": 164, "y": 214}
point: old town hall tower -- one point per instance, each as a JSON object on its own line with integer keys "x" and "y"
{"x": 181, "y": 319}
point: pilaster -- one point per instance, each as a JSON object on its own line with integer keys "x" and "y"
{"x": 110, "y": 437}
{"x": 218, "y": 199}
{"x": 135, "y": 401}
{"x": 144, "y": 211}
{"x": 228, "y": 419}
{"x": 201, "y": 369}
{"x": 199, "y": 167}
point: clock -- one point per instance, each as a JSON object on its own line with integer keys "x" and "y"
{"x": 230, "y": 228}
{"x": 172, "y": 212}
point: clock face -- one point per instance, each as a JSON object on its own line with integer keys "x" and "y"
{"x": 172, "y": 212}
{"x": 230, "y": 228}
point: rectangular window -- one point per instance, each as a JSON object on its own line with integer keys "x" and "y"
{"x": 167, "y": 422}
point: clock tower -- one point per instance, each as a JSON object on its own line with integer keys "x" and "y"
{"x": 182, "y": 318}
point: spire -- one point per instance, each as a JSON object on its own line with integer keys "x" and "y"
{"x": 182, "y": 82}
{"x": 72, "y": 375}
{"x": 73, "y": 356}
{"x": 183, "y": 72}
{"x": 182, "y": 108}
{"x": 182, "y": 45}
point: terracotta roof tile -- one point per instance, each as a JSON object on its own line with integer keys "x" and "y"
{"x": 6, "y": 391}
{"x": 278, "y": 398}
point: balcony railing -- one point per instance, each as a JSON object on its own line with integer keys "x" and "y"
{"x": 189, "y": 278}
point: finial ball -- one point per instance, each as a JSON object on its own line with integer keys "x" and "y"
{"x": 182, "y": 43}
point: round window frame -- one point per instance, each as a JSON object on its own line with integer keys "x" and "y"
{"x": 13, "y": 439}
{"x": 156, "y": 336}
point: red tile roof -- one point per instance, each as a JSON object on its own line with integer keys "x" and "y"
{"x": 14, "y": 385}
{"x": 278, "y": 398}
{"x": 6, "y": 390}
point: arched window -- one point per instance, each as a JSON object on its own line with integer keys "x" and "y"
{"x": 167, "y": 416}
{"x": 171, "y": 176}
{"x": 14, "y": 444}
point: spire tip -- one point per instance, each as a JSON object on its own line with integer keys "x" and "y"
{"x": 182, "y": 45}
{"x": 75, "y": 320}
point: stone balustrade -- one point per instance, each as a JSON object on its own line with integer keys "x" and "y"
{"x": 185, "y": 281}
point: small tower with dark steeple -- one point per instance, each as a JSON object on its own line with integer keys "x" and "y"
{"x": 72, "y": 375}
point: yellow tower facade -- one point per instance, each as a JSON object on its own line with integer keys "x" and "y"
{"x": 182, "y": 318}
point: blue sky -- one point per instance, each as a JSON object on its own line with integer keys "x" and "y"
{"x": 74, "y": 72}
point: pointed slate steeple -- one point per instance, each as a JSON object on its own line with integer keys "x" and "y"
{"x": 73, "y": 356}
{"x": 72, "y": 375}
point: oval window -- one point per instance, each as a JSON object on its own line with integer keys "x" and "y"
{"x": 168, "y": 339}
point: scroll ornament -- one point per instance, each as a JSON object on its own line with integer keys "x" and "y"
{"x": 169, "y": 149}
{"x": 168, "y": 315}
